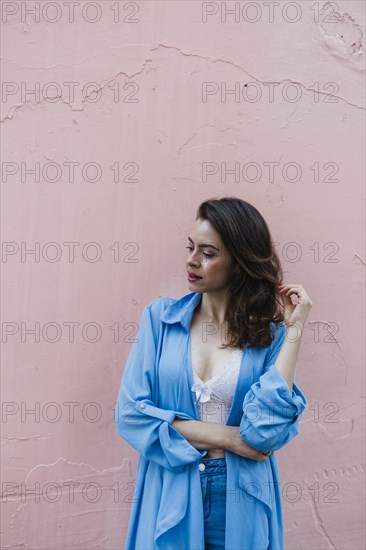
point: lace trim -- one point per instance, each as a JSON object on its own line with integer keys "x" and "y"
{"x": 204, "y": 390}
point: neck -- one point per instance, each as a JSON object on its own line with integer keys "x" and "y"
{"x": 213, "y": 305}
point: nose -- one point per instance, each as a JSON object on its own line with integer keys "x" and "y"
{"x": 191, "y": 259}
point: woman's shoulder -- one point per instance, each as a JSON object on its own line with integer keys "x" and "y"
{"x": 278, "y": 333}
{"x": 157, "y": 306}
{"x": 163, "y": 302}
{"x": 277, "y": 328}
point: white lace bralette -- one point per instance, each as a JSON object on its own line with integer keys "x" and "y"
{"x": 214, "y": 397}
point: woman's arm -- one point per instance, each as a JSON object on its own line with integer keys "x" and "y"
{"x": 209, "y": 435}
{"x": 139, "y": 421}
{"x": 274, "y": 403}
{"x": 295, "y": 316}
{"x": 286, "y": 360}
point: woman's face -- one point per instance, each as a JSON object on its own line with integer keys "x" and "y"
{"x": 208, "y": 259}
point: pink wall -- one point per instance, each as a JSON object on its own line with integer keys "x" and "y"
{"x": 154, "y": 61}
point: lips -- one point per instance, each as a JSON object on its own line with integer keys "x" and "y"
{"x": 193, "y": 275}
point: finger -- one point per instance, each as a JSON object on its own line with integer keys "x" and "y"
{"x": 293, "y": 288}
{"x": 302, "y": 297}
{"x": 296, "y": 290}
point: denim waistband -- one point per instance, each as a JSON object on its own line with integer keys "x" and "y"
{"x": 214, "y": 464}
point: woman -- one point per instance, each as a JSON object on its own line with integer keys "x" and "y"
{"x": 208, "y": 392}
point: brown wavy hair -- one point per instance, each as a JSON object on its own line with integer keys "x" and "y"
{"x": 253, "y": 297}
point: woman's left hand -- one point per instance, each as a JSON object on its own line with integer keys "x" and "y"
{"x": 295, "y": 313}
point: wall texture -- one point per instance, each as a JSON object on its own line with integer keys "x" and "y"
{"x": 118, "y": 119}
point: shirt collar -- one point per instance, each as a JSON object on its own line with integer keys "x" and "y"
{"x": 181, "y": 311}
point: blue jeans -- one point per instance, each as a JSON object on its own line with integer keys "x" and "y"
{"x": 213, "y": 485}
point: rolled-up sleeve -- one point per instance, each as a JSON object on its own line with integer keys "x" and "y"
{"x": 139, "y": 421}
{"x": 270, "y": 410}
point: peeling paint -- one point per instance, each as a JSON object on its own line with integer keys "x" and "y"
{"x": 341, "y": 34}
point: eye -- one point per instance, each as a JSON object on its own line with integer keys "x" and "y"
{"x": 203, "y": 253}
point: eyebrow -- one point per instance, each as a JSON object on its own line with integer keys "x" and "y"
{"x": 204, "y": 245}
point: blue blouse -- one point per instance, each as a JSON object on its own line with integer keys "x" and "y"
{"x": 167, "y": 509}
